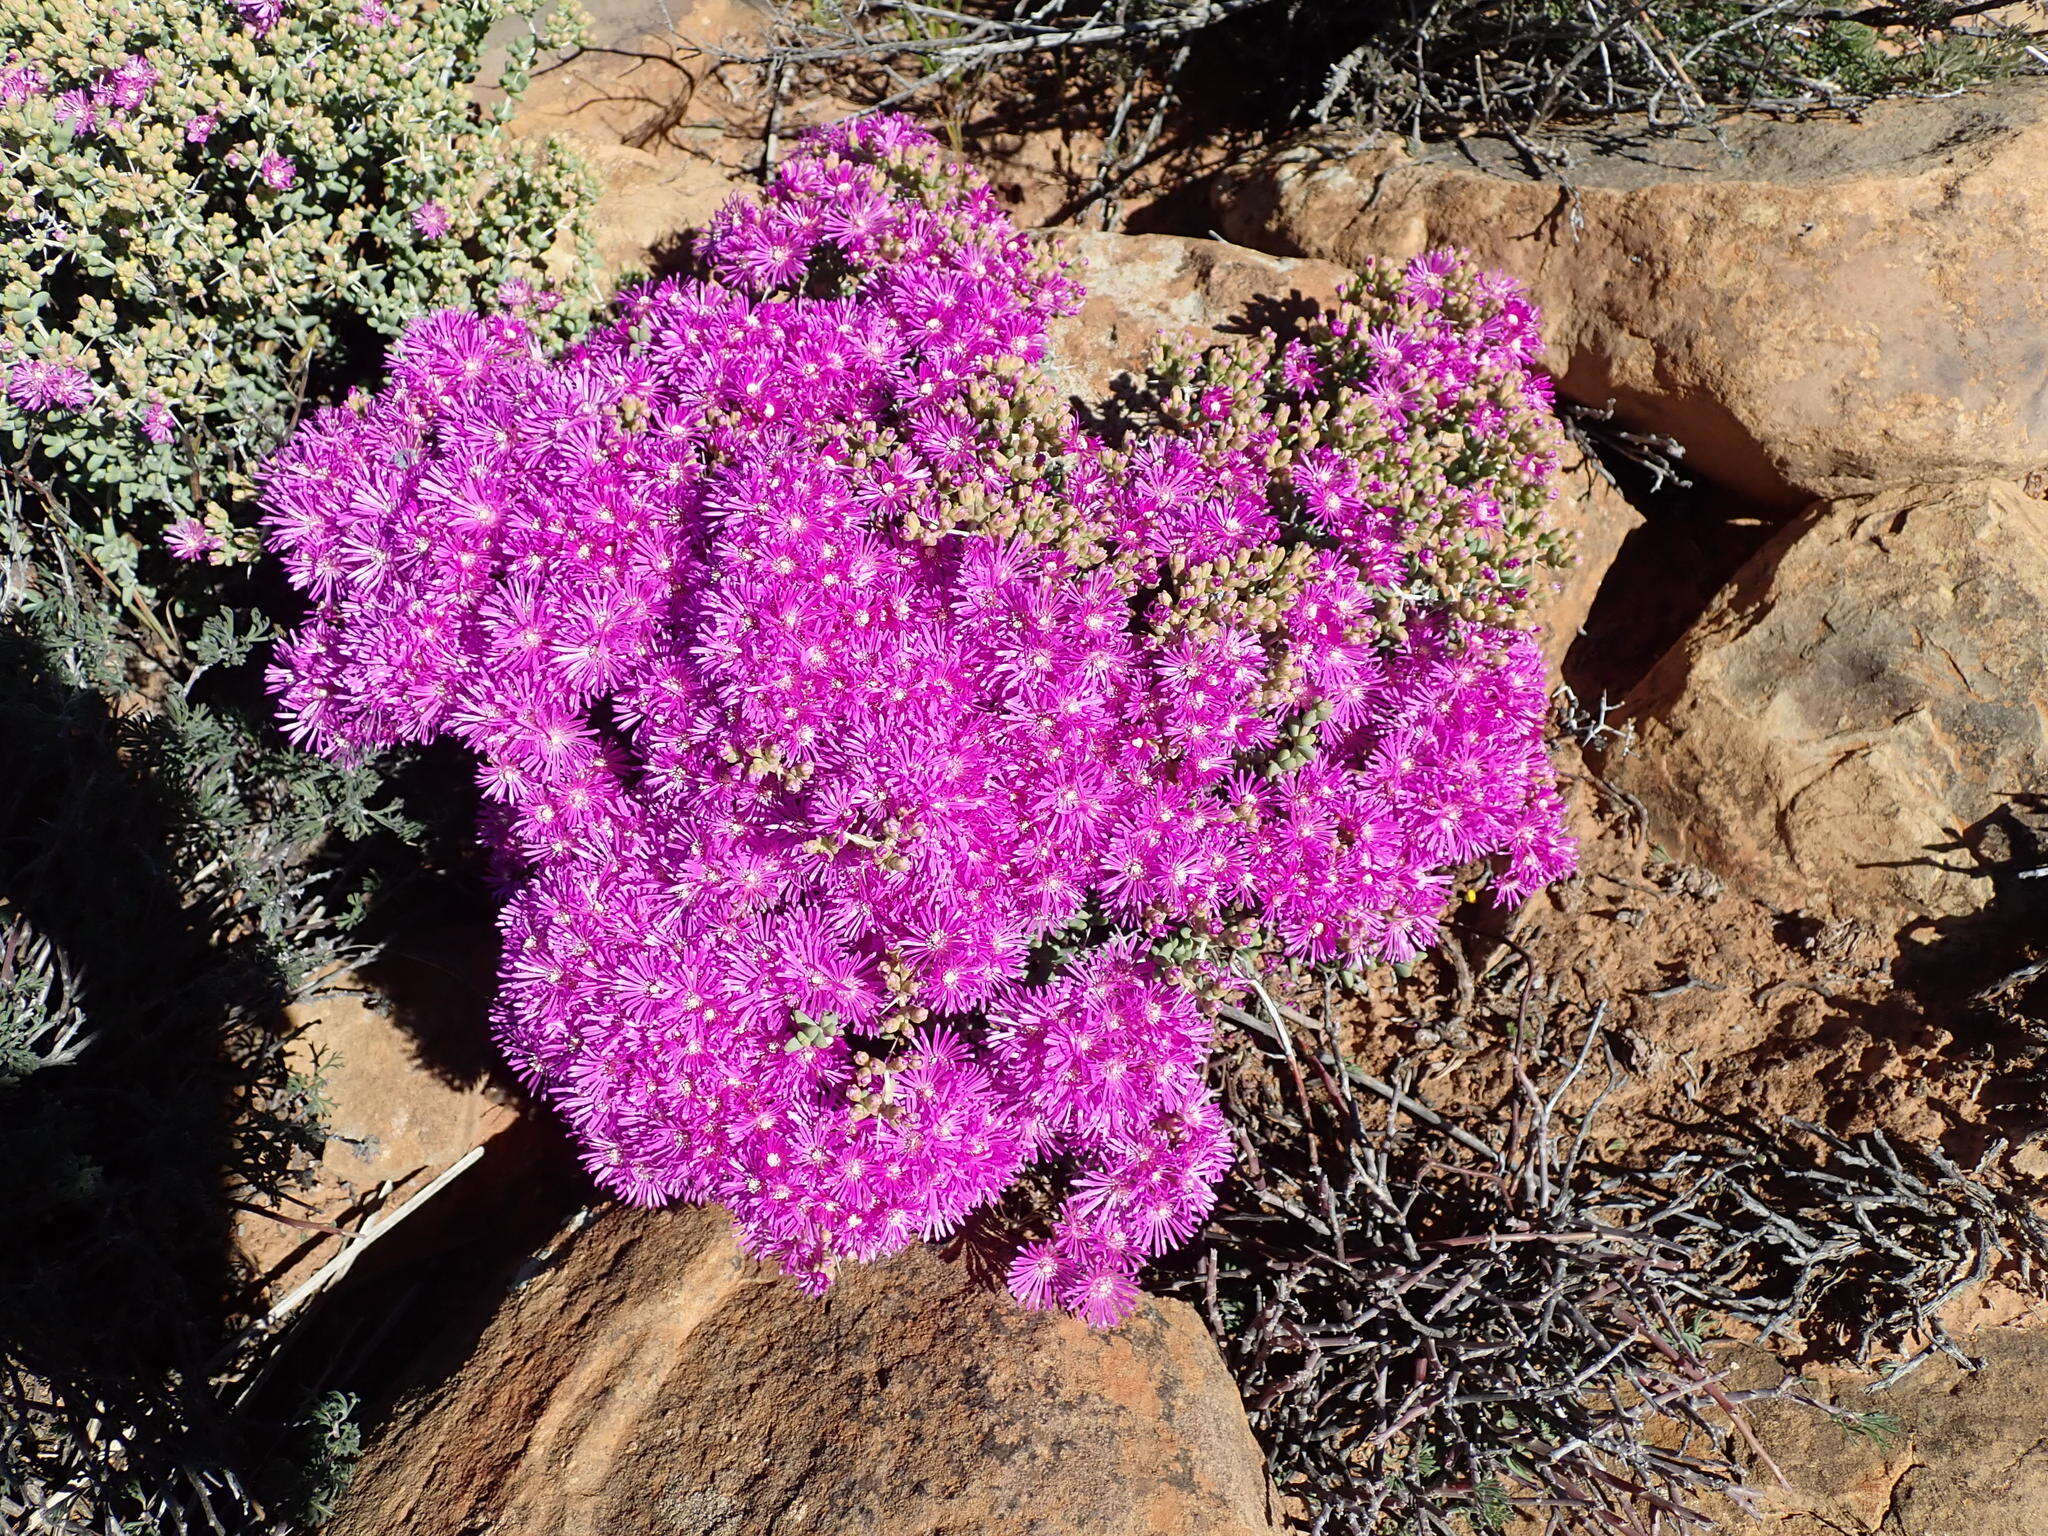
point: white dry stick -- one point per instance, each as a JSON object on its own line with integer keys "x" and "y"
{"x": 331, "y": 1272}
{"x": 372, "y": 1229}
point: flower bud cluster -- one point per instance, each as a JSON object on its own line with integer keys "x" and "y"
{"x": 888, "y": 771}
{"x": 208, "y": 204}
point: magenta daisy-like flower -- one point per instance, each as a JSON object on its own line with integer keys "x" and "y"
{"x": 199, "y": 128}
{"x": 278, "y": 172}
{"x": 190, "y": 539}
{"x": 158, "y": 424}
{"x": 431, "y": 220}
{"x": 259, "y": 16}
{"x": 1300, "y": 373}
{"x": 1035, "y": 1275}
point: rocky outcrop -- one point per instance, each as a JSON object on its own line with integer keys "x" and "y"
{"x": 1871, "y": 687}
{"x": 653, "y": 1379}
{"x": 1591, "y": 509}
{"x": 649, "y": 113}
{"x": 1811, "y": 308}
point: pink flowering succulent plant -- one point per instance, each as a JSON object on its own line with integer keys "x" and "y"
{"x": 888, "y": 772}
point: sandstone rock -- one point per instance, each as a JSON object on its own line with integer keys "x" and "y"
{"x": 1811, "y": 308}
{"x": 1142, "y": 288}
{"x": 653, "y": 1380}
{"x": 1967, "y": 1458}
{"x": 1592, "y": 509}
{"x": 393, "y": 1118}
{"x": 1873, "y": 683}
{"x": 649, "y": 113}
{"x": 647, "y": 204}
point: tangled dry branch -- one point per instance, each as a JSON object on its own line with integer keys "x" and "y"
{"x": 1436, "y": 1324}
{"x": 1434, "y": 66}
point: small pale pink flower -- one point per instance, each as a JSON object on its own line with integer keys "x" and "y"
{"x": 77, "y": 111}
{"x": 19, "y": 82}
{"x": 259, "y": 16}
{"x": 278, "y": 172}
{"x": 190, "y": 539}
{"x": 431, "y": 220}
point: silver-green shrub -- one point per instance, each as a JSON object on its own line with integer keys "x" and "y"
{"x": 211, "y": 214}
{"x": 213, "y": 210}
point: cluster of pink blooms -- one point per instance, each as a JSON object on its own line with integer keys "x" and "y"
{"x": 861, "y": 734}
{"x": 53, "y": 384}
{"x": 116, "y": 91}
{"x": 124, "y": 89}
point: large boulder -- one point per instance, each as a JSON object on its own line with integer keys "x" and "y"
{"x": 654, "y": 1380}
{"x": 1144, "y": 288}
{"x": 1870, "y": 688}
{"x": 1811, "y": 308}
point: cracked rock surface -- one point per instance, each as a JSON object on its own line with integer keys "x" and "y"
{"x": 1969, "y": 1456}
{"x": 1811, "y": 308}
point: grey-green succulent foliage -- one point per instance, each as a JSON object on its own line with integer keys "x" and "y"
{"x": 215, "y": 208}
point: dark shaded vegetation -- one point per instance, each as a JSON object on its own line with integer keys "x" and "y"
{"x": 172, "y": 876}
